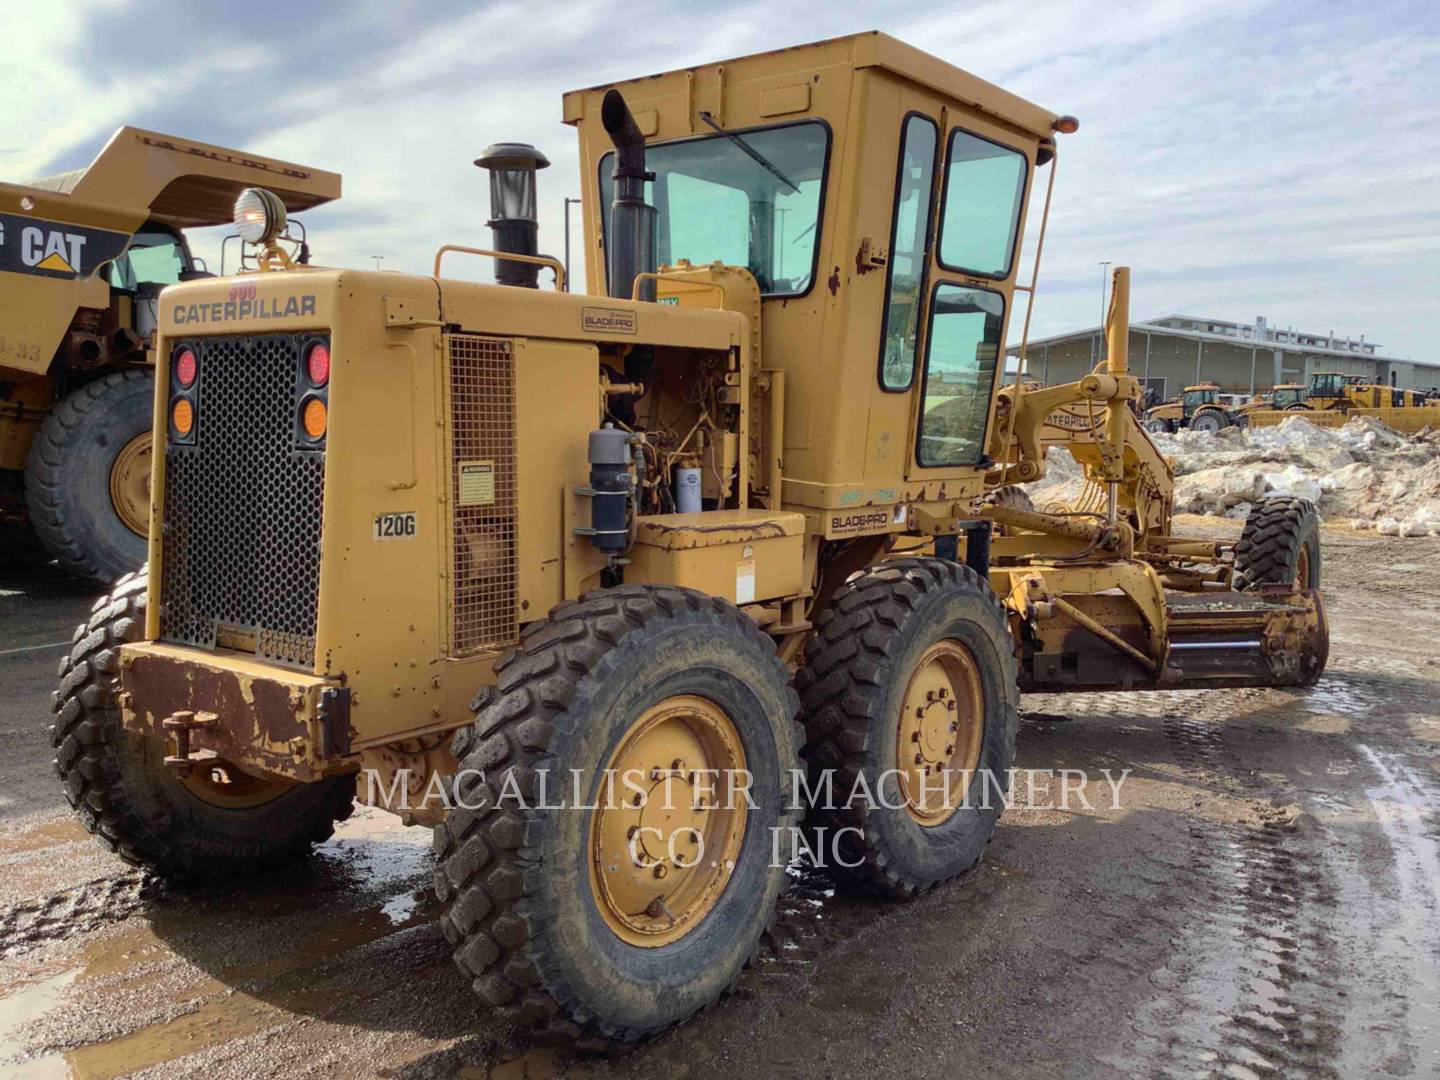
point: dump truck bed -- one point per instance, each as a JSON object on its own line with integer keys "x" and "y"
{"x": 184, "y": 183}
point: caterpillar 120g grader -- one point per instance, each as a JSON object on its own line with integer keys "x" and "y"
{"x": 83, "y": 258}
{"x": 556, "y": 573}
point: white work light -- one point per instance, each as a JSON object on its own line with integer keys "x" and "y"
{"x": 259, "y": 216}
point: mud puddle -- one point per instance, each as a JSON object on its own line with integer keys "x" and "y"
{"x": 210, "y": 966}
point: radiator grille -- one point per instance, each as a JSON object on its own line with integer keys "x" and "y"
{"x": 242, "y": 506}
{"x": 482, "y": 489}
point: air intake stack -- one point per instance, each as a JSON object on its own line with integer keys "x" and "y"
{"x": 513, "y": 223}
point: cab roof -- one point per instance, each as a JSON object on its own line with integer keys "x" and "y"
{"x": 873, "y": 49}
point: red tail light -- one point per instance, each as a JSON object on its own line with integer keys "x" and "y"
{"x": 317, "y": 363}
{"x": 185, "y": 368}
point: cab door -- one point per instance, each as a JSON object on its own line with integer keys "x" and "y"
{"x": 984, "y": 174}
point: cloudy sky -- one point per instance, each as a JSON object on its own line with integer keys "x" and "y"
{"x": 1245, "y": 157}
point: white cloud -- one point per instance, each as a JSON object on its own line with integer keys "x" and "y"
{"x": 1244, "y": 157}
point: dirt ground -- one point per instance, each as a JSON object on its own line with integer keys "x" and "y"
{"x": 1265, "y": 902}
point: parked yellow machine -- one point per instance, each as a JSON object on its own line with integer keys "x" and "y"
{"x": 83, "y": 257}
{"x": 1199, "y": 407}
{"x": 1332, "y": 398}
{"x": 506, "y": 546}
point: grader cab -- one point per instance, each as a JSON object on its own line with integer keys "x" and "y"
{"x": 557, "y": 572}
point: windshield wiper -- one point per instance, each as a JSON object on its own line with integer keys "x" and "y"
{"x": 758, "y": 157}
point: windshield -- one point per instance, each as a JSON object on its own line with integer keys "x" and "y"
{"x": 1287, "y": 397}
{"x": 718, "y": 202}
{"x": 1198, "y": 397}
{"x": 155, "y": 255}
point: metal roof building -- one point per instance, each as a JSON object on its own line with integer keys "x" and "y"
{"x": 1175, "y": 351}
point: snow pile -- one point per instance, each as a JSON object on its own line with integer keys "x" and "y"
{"x": 1364, "y": 471}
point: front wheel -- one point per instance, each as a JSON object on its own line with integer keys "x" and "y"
{"x": 1279, "y": 545}
{"x": 910, "y": 699}
{"x": 217, "y": 821}
{"x": 636, "y": 892}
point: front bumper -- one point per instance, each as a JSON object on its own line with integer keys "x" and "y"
{"x": 264, "y": 720}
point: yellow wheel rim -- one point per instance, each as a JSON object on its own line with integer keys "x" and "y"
{"x": 220, "y": 784}
{"x": 942, "y": 726}
{"x": 130, "y": 484}
{"x": 666, "y": 832}
{"x": 1302, "y": 568}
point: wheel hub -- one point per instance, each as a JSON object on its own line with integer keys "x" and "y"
{"x": 665, "y": 834}
{"x": 941, "y": 727}
{"x": 130, "y": 484}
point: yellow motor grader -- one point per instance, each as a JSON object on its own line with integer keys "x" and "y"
{"x": 83, "y": 258}
{"x": 557, "y": 572}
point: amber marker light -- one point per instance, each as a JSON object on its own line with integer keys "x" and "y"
{"x": 1066, "y": 125}
{"x": 182, "y": 416}
{"x": 314, "y": 418}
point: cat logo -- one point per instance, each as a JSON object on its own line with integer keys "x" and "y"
{"x": 47, "y": 250}
{"x": 53, "y": 249}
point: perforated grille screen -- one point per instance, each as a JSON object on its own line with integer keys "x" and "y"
{"x": 482, "y": 422}
{"x": 241, "y": 540}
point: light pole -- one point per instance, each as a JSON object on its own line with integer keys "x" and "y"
{"x": 568, "y": 201}
{"x": 1104, "y": 267}
{"x": 378, "y": 259}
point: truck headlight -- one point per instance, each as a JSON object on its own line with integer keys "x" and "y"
{"x": 259, "y": 216}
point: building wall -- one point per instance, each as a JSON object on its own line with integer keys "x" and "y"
{"x": 1182, "y": 361}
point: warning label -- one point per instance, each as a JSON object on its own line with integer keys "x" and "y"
{"x": 745, "y": 581}
{"x": 477, "y": 483}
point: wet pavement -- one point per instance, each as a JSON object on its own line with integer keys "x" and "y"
{"x": 1264, "y": 902}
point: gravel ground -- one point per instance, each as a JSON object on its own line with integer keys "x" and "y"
{"x": 1264, "y": 902}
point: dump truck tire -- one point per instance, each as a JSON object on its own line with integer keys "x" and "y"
{"x": 82, "y": 469}
{"x": 1279, "y": 545}
{"x": 136, "y": 805}
{"x": 539, "y": 929}
{"x": 865, "y": 672}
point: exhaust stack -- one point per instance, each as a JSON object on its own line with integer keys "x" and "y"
{"x": 631, "y": 247}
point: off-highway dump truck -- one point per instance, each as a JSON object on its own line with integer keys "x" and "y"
{"x": 83, "y": 257}
{"x": 557, "y": 572}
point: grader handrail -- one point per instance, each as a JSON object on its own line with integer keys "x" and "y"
{"x": 538, "y": 260}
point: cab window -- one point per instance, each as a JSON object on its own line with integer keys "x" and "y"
{"x": 909, "y": 236}
{"x": 749, "y": 198}
{"x": 156, "y": 256}
{"x": 1195, "y": 398}
{"x": 962, "y": 346}
{"x": 980, "y": 207}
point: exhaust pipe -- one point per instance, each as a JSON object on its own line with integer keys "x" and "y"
{"x": 631, "y": 248}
